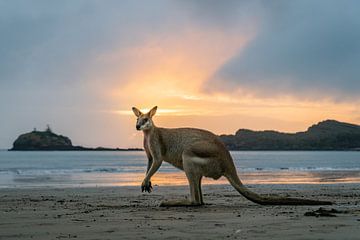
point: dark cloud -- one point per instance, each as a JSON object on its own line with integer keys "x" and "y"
{"x": 229, "y": 15}
{"x": 44, "y": 41}
{"x": 302, "y": 47}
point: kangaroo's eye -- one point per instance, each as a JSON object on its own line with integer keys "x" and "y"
{"x": 146, "y": 119}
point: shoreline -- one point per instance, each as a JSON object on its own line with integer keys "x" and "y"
{"x": 126, "y": 213}
{"x": 82, "y": 187}
{"x": 185, "y": 185}
{"x": 115, "y": 179}
{"x": 79, "y": 149}
{"x": 141, "y": 150}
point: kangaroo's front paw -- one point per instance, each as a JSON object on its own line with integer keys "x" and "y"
{"x": 146, "y": 186}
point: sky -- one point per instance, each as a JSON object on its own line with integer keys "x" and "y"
{"x": 80, "y": 66}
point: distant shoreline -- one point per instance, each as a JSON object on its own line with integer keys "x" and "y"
{"x": 49, "y": 141}
{"x": 141, "y": 150}
{"x": 328, "y": 135}
{"x": 80, "y": 150}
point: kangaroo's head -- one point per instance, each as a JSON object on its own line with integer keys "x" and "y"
{"x": 144, "y": 120}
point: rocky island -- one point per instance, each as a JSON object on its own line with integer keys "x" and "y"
{"x": 49, "y": 141}
{"x": 325, "y": 135}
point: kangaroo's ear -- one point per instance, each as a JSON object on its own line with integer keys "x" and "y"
{"x": 136, "y": 111}
{"x": 152, "y": 111}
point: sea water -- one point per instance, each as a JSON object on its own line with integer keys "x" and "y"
{"x": 117, "y": 168}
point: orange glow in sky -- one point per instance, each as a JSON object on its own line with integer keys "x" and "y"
{"x": 80, "y": 67}
{"x": 171, "y": 74}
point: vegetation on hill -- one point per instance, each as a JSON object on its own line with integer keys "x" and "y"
{"x": 326, "y": 135}
{"x": 42, "y": 140}
{"x": 49, "y": 141}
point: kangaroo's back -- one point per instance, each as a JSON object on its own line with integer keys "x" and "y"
{"x": 175, "y": 141}
{"x": 185, "y": 137}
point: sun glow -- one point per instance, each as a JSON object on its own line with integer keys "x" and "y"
{"x": 171, "y": 73}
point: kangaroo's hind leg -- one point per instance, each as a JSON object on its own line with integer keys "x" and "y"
{"x": 195, "y": 188}
{"x": 195, "y": 196}
{"x": 194, "y": 176}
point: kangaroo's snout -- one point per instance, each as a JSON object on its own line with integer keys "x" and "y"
{"x": 137, "y": 127}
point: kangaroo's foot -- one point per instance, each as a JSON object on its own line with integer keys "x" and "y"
{"x": 179, "y": 203}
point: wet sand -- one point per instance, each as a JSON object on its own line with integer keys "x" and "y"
{"x": 126, "y": 213}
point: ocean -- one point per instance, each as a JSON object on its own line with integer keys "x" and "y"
{"x": 62, "y": 169}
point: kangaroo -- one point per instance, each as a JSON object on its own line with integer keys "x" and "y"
{"x": 199, "y": 153}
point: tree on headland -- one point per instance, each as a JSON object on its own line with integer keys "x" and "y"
{"x": 48, "y": 129}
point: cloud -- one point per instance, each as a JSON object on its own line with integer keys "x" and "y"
{"x": 44, "y": 42}
{"x": 66, "y": 62}
{"x": 50, "y": 69}
{"x": 60, "y": 60}
{"x": 302, "y": 48}
{"x": 227, "y": 16}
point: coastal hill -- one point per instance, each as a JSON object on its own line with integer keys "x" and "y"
{"x": 326, "y": 135}
{"x": 49, "y": 141}
{"x": 42, "y": 140}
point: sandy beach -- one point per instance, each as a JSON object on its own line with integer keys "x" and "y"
{"x": 126, "y": 213}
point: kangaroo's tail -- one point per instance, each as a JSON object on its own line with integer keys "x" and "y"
{"x": 267, "y": 200}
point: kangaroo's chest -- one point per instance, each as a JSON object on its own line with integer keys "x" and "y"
{"x": 149, "y": 148}
{"x": 152, "y": 146}
{"x": 157, "y": 148}
{"x": 146, "y": 147}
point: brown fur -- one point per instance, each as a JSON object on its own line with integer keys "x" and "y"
{"x": 199, "y": 153}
